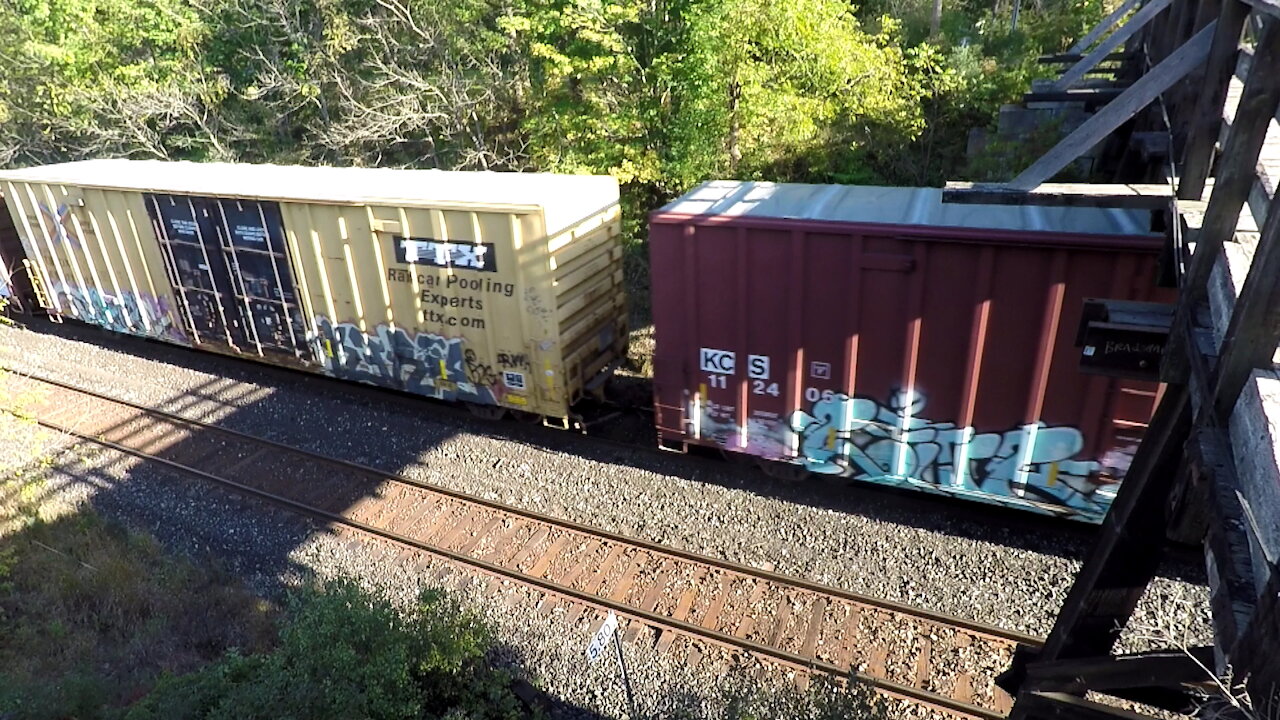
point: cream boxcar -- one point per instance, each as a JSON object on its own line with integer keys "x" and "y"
{"x": 502, "y": 290}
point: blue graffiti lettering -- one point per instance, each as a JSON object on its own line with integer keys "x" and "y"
{"x": 128, "y": 312}
{"x": 858, "y": 437}
{"x": 894, "y": 441}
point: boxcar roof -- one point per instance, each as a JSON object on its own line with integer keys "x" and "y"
{"x": 564, "y": 199}
{"x": 896, "y": 206}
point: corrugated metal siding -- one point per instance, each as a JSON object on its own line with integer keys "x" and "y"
{"x": 15, "y": 283}
{"x": 451, "y": 332}
{"x": 526, "y": 330}
{"x": 916, "y": 356}
{"x": 96, "y": 254}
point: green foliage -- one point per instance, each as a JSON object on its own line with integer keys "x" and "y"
{"x": 78, "y": 694}
{"x": 797, "y": 90}
{"x": 8, "y": 561}
{"x": 1001, "y": 159}
{"x": 90, "y": 612}
{"x": 345, "y": 653}
{"x": 975, "y": 64}
{"x": 588, "y": 108}
{"x": 82, "y": 77}
{"x": 357, "y": 82}
{"x": 661, "y": 94}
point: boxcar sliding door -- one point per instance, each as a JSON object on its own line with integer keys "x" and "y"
{"x": 228, "y": 265}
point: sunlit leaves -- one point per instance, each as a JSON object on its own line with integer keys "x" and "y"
{"x": 661, "y": 94}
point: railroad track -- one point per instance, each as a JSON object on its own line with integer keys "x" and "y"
{"x": 667, "y": 594}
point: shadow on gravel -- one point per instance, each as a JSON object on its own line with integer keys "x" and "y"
{"x": 96, "y": 615}
{"x": 215, "y": 527}
{"x": 193, "y": 516}
{"x": 122, "y": 638}
{"x": 371, "y": 412}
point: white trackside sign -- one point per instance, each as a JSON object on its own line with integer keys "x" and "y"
{"x": 601, "y": 640}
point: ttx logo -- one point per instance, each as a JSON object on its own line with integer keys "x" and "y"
{"x": 424, "y": 251}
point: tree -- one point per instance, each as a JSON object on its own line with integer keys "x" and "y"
{"x": 366, "y": 82}
{"x": 667, "y": 94}
{"x": 592, "y": 101}
{"x": 805, "y": 91}
{"x": 80, "y": 78}
{"x": 661, "y": 94}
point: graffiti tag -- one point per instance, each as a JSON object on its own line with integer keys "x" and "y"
{"x": 57, "y": 225}
{"x": 856, "y": 436}
{"x": 423, "y": 363}
{"x": 479, "y": 373}
{"x": 859, "y": 437}
{"x": 132, "y": 313}
{"x": 514, "y": 360}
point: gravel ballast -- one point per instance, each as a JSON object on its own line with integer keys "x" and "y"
{"x": 944, "y": 557}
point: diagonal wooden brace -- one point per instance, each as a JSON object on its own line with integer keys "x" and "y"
{"x": 1113, "y": 41}
{"x": 1175, "y": 67}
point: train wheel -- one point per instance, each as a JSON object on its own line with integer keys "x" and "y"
{"x": 486, "y": 412}
{"x": 784, "y": 471}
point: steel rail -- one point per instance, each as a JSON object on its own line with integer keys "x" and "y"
{"x": 651, "y": 618}
{"x": 992, "y": 631}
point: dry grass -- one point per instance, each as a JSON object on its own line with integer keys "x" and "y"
{"x": 91, "y": 613}
{"x": 81, "y": 597}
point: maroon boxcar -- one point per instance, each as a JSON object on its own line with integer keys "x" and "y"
{"x": 880, "y": 334}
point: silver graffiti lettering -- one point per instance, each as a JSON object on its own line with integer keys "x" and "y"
{"x": 423, "y": 363}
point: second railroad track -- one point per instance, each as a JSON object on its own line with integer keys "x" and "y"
{"x": 926, "y": 657}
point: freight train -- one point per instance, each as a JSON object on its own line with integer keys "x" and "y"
{"x": 869, "y": 333}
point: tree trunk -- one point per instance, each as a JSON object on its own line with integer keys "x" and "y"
{"x": 735, "y": 127}
{"x": 935, "y": 22}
